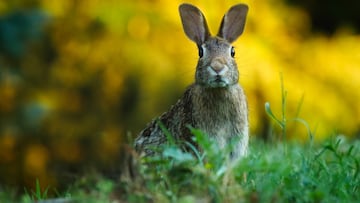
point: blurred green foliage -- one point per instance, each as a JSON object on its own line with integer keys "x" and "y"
{"x": 77, "y": 76}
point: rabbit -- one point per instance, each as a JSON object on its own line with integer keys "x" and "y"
{"x": 215, "y": 103}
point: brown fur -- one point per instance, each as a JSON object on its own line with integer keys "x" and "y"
{"x": 215, "y": 103}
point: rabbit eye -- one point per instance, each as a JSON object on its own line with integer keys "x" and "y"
{"x": 201, "y": 52}
{"x": 232, "y": 52}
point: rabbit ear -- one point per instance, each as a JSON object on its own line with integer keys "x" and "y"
{"x": 194, "y": 23}
{"x": 233, "y": 22}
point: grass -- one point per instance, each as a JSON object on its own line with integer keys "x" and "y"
{"x": 327, "y": 173}
{"x": 272, "y": 172}
{"x": 277, "y": 172}
{"x": 36, "y": 194}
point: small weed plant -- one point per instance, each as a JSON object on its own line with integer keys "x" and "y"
{"x": 35, "y": 195}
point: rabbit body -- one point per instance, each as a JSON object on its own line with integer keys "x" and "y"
{"x": 215, "y": 103}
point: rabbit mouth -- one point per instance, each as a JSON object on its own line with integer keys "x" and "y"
{"x": 216, "y": 77}
{"x": 218, "y": 81}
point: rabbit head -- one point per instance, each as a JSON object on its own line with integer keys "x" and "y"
{"x": 216, "y": 67}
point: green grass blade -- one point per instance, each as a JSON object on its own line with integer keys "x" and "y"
{"x": 271, "y": 115}
{"x": 167, "y": 133}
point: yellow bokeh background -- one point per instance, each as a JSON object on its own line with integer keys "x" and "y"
{"x": 103, "y": 69}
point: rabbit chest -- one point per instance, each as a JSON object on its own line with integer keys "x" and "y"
{"x": 221, "y": 113}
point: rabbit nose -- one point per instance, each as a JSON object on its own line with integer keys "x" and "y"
{"x": 218, "y": 65}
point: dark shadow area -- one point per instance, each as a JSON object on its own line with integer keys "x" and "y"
{"x": 329, "y": 15}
